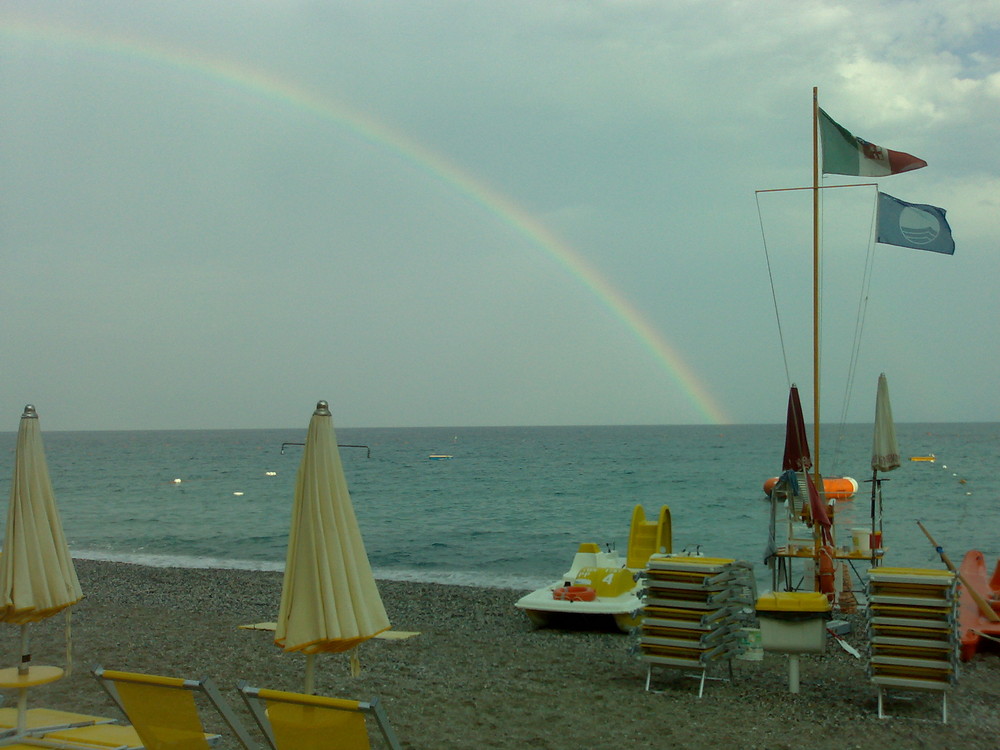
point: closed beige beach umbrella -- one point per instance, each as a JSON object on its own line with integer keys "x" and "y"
{"x": 885, "y": 454}
{"x": 885, "y": 449}
{"x": 37, "y": 577}
{"x": 329, "y": 599}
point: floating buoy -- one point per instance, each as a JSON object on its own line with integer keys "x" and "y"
{"x": 839, "y": 488}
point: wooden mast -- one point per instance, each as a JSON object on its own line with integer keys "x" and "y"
{"x": 817, "y": 477}
{"x": 815, "y": 134}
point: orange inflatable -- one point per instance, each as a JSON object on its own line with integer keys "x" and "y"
{"x": 840, "y": 488}
{"x": 575, "y": 593}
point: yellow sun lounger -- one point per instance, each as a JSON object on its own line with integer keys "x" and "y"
{"x": 96, "y": 737}
{"x": 46, "y": 727}
{"x": 163, "y": 710}
{"x": 294, "y": 721}
{"x": 37, "y": 718}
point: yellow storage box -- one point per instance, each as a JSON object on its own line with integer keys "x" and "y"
{"x": 793, "y": 602}
{"x": 793, "y": 622}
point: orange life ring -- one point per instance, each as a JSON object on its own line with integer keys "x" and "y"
{"x": 574, "y": 593}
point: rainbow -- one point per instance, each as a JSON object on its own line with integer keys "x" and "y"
{"x": 283, "y": 92}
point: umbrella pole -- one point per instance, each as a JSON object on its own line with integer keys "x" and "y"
{"x": 876, "y": 490}
{"x": 310, "y": 674}
{"x": 22, "y": 711}
{"x": 69, "y": 642}
{"x": 25, "y": 664}
{"x": 22, "y": 693}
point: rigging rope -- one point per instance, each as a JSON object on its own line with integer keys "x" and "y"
{"x": 774, "y": 295}
{"x": 860, "y": 315}
{"x": 859, "y": 323}
{"x": 859, "y": 327}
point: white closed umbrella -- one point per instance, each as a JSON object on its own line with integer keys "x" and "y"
{"x": 37, "y": 577}
{"x": 885, "y": 453}
{"x": 329, "y": 598}
{"x": 885, "y": 449}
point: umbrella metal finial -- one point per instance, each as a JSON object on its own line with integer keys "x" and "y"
{"x": 322, "y": 409}
{"x": 29, "y": 412}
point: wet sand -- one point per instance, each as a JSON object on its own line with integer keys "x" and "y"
{"x": 479, "y": 676}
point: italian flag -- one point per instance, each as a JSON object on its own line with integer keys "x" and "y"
{"x": 844, "y": 153}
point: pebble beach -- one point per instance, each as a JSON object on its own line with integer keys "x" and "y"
{"x": 477, "y": 675}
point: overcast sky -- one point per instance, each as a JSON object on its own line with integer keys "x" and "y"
{"x": 484, "y": 213}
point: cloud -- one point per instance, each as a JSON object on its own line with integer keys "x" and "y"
{"x": 170, "y": 214}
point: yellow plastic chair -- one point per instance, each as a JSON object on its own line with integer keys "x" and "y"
{"x": 163, "y": 710}
{"x": 295, "y": 721}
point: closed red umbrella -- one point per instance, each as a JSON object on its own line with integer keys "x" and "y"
{"x": 796, "y": 456}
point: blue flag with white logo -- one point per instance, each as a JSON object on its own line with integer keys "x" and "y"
{"x": 915, "y": 225}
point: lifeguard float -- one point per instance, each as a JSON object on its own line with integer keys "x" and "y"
{"x": 837, "y": 488}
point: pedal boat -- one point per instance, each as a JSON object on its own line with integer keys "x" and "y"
{"x": 975, "y": 629}
{"x": 601, "y": 585}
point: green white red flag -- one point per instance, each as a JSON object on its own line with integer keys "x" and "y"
{"x": 845, "y": 153}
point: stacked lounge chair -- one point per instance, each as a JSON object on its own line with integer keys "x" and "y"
{"x": 914, "y": 638}
{"x": 693, "y": 610}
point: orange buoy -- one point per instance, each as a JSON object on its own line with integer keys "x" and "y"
{"x": 575, "y": 593}
{"x": 839, "y": 488}
{"x": 826, "y": 571}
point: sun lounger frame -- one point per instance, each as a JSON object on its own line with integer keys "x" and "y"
{"x": 204, "y": 686}
{"x": 252, "y": 697}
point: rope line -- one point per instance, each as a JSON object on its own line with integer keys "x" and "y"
{"x": 774, "y": 293}
{"x": 861, "y": 315}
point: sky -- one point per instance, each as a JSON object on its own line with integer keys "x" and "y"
{"x": 213, "y": 215}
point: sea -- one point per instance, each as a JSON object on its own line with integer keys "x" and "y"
{"x": 510, "y": 505}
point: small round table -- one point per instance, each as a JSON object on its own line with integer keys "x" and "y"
{"x": 10, "y": 678}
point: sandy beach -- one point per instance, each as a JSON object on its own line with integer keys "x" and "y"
{"x": 479, "y": 676}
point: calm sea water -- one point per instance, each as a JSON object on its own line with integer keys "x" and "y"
{"x": 511, "y": 506}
